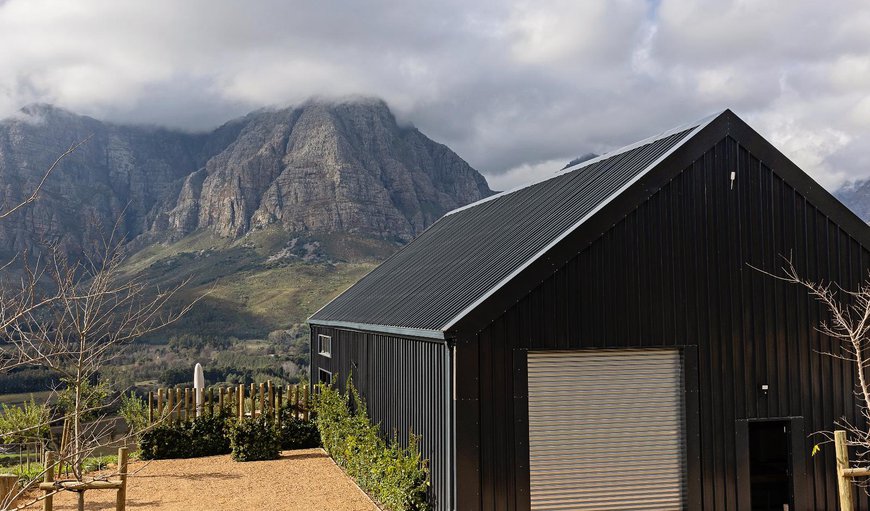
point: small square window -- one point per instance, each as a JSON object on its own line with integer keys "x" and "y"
{"x": 324, "y": 345}
{"x": 324, "y": 377}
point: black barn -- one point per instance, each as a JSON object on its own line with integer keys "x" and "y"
{"x": 604, "y": 339}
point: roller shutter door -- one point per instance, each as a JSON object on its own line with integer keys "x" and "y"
{"x": 606, "y": 430}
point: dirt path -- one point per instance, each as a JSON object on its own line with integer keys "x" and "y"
{"x": 301, "y": 480}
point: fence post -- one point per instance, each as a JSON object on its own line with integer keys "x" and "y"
{"x": 170, "y": 405}
{"x": 211, "y": 401}
{"x": 8, "y": 483}
{"x": 253, "y": 400}
{"x": 279, "y": 401}
{"x": 48, "y": 477}
{"x": 844, "y": 484}
{"x": 159, "y": 403}
{"x": 186, "y": 403}
{"x": 241, "y": 401}
{"x": 271, "y": 398}
{"x": 262, "y": 399}
{"x": 295, "y": 391}
{"x": 121, "y": 500}
{"x": 305, "y": 404}
{"x": 150, "y": 407}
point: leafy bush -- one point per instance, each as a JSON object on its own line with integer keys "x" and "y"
{"x": 202, "y": 436}
{"x": 26, "y": 423}
{"x": 255, "y": 439}
{"x": 210, "y": 435}
{"x": 166, "y": 441}
{"x": 396, "y": 476}
{"x": 296, "y": 433}
{"x": 134, "y": 410}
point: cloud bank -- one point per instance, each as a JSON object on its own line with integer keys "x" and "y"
{"x": 514, "y": 87}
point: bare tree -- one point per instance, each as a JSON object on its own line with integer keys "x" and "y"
{"x": 87, "y": 313}
{"x": 849, "y": 325}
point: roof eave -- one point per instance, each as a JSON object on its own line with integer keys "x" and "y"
{"x": 437, "y": 335}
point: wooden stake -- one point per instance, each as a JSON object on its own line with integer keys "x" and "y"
{"x": 253, "y": 401}
{"x": 844, "y": 483}
{"x": 271, "y": 389}
{"x": 179, "y": 395}
{"x": 241, "y": 401}
{"x": 295, "y": 390}
{"x": 262, "y": 399}
{"x": 211, "y": 401}
{"x": 170, "y": 397}
{"x": 220, "y": 399}
{"x": 186, "y": 404}
{"x": 48, "y": 477}
{"x": 159, "y": 403}
{"x": 121, "y": 501}
{"x": 279, "y": 403}
{"x": 150, "y": 407}
{"x": 305, "y": 404}
{"x": 8, "y": 486}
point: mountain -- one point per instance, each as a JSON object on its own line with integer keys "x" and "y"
{"x": 580, "y": 159}
{"x": 274, "y": 212}
{"x": 321, "y": 167}
{"x": 856, "y": 195}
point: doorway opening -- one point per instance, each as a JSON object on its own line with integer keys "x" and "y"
{"x": 770, "y": 473}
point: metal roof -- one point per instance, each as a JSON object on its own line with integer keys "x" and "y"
{"x": 471, "y": 252}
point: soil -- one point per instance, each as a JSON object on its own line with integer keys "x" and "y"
{"x": 306, "y": 479}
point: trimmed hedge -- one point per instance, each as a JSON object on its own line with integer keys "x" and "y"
{"x": 255, "y": 439}
{"x": 202, "y": 436}
{"x": 395, "y": 476}
{"x": 296, "y": 433}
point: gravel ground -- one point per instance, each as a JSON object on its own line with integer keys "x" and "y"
{"x": 301, "y": 480}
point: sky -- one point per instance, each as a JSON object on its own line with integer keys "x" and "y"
{"x": 516, "y": 88}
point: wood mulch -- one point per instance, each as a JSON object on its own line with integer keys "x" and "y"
{"x": 306, "y": 479}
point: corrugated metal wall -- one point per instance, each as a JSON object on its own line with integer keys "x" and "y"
{"x": 675, "y": 272}
{"x": 404, "y": 382}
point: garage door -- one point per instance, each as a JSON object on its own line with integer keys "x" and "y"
{"x": 606, "y": 430}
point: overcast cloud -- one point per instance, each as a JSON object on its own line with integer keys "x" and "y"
{"x": 516, "y": 88}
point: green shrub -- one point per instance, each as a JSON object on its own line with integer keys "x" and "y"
{"x": 396, "y": 476}
{"x": 203, "y": 436}
{"x": 210, "y": 435}
{"x": 166, "y": 441}
{"x": 296, "y": 433}
{"x": 255, "y": 439}
{"x": 134, "y": 410}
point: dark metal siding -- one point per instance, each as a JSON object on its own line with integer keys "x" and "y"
{"x": 468, "y": 252}
{"x": 404, "y": 383}
{"x": 675, "y": 271}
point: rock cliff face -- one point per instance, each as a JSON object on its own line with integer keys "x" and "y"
{"x": 325, "y": 167}
{"x": 320, "y": 167}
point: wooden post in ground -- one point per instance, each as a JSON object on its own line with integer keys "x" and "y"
{"x": 271, "y": 390}
{"x": 262, "y": 399}
{"x": 179, "y": 395}
{"x": 150, "y": 407}
{"x": 210, "y": 400}
{"x": 305, "y": 404}
{"x": 186, "y": 403}
{"x": 241, "y": 396}
{"x": 295, "y": 391}
{"x": 8, "y": 487}
{"x": 253, "y": 400}
{"x": 220, "y": 400}
{"x": 170, "y": 397}
{"x": 48, "y": 477}
{"x": 121, "y": 501}
{"x": 279, "y": 401}
{"x": 159, "y": 403}
{"x": 844, "y": 483}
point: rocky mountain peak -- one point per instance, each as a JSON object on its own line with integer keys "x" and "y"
{"x": 322, "y": 166}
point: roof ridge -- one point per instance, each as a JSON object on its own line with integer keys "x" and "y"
{"x": 610, "y": 154}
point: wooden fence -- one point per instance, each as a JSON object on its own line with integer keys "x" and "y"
{"x": 179, "y": 404}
